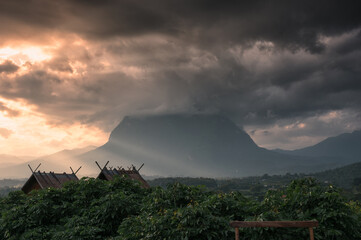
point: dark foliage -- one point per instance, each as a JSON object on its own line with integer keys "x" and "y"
{"x": 121, "y": 209}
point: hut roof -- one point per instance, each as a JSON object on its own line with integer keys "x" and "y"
{"x": 41, "y": 180}
{"x": 108, "y": 174}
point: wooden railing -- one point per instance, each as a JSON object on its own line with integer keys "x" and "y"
{"x": 277, "y": 224}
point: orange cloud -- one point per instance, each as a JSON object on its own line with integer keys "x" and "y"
{"x": 5, "y": 133}
{"x": 30, "y": 134}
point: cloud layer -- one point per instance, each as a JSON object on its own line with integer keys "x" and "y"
{"x": 267, "y": 65}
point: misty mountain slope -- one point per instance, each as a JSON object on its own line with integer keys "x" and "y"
{"x": 10, "y": 160}
{"x": 57, "y": 162}
{"x": 191, "y": 145}
{"x": 346, "y": 148}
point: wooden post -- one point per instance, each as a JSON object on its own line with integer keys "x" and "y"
{"x": 311, "y": 234}
{"x": 237, "y": 233}
{"x": 276, "y": 224}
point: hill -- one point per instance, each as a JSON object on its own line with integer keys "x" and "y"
{"x": 347, "y": 177}
{"x": 342, "y": 177}
{"x": 344, "y": 148}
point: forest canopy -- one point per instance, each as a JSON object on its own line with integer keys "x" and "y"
{"x": 122, "y": 209}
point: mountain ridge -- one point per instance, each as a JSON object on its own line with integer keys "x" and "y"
{"x": 195, "y": 145}
{"x": 188, "y": 145}
{"x": 345, "y": 146}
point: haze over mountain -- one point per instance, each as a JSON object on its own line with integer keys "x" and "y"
{"x": 346, "y": 148}
{"x": 10, "y": 160}
{"x": 57, "y": 162}
{"x": 195, "y": 145}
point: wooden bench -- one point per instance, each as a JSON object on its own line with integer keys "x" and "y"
{"x": 276, "y": 224}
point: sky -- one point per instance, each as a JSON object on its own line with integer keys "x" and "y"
{"x": 287, "y": 72}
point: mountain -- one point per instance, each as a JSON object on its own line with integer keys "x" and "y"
{"x": 345, "y": 148}
{"x": 194, "y": 145}
{"x": 57, "y": 162}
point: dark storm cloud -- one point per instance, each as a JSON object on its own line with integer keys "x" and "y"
{"x": 36, "y": 86}
{"x": 259, "y": 62}
{"x": 276, "y": 84}
{"x": 349, "y": 46}
{"x": 8, "y": 67}
{"x": 289, "y": 24}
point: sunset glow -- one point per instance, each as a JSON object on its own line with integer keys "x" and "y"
{"x": 23, "y": 128}
{"x": 73, "y": 70}
{"x": 23, "y": 54}
{"x": 31, "y": 134}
